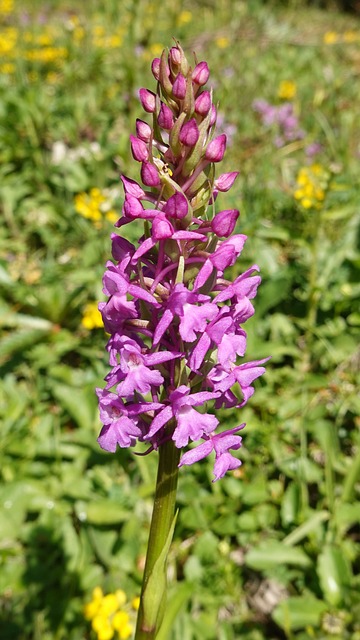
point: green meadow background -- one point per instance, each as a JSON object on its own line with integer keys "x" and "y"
{"x": 272, "y": 551}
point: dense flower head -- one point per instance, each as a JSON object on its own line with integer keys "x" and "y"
{"x": 177, "y": 340}
{"x": 111, "y": 615}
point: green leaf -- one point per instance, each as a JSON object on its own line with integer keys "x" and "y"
{"x": 272, "y": 553}
{"x": 101, "y": 512}
{"x": 334, "y": 571}
{"x": 80, "y": 403}
{"x": 299, "y": 612}
{"x": 155, "y": 590}
{"x": 174, "y": 605}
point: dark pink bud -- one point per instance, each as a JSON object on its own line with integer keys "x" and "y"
{"x": 149, "y": 175}
{"x": 203, "y": 103}
{"x": 177, "y": 206}
{"x": 143, "y": 130}
{"x": 226, "y": 181}
{"x": 179, "y": 87}
{"x": 161, "y": 228}
{"x": 213, "y": 115}
{"x": 148, "y": 100}
{"x": 223, "y": 224}
{"x": 175, "y": 56}
{"x": 201, "y": 73}
{"x": 139, "y": 149}
{"x": 132, "y": 188}
{"x": 189, "y": 133}
{"x": 132, "y": 208}
{"x": 216, "y": 149}
{"x": 165, "y": 119}
{"x": 155, "y": 68}
{"x": 121, "y": 248}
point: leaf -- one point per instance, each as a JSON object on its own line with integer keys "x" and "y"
{"x": 155, "y": 590}
{"x": 80, "y": 403}
{"x": 21, "y": 341}
{"x": 174, "y": 605}
{"x": 272, "y": 553}
{"x": 306, "y": 528}
{"x": 334, "y": 571}
{"x": 101, "y": 512}
{"x": 299, "y": 612}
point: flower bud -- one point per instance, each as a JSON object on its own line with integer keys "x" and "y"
{"x": 223, "y": 224}
{"x": 216, "y": 149}
{"x": 189, "y": 133}
{"x": 177, "y": 206}
{"x": 149, "y": 175}
{"x": 175, "y": 56}
{"x": 201, "y": 73}
{"x": 155, "y": 68}
{"x": 225, "y": 181}
{"x": 213, "y": 115}
{"x": 179, "y": 87}
{"x": 148, "y": 100}
{"x": 161, "y": 228}
{"x": 203, "y": 103}
{"x": 131, "y": 187}
{"x": 143, "y": 130}
{"x": 165, "y": 118}
{"x": 132, "y": 208}
{"x": 139, "y": 149}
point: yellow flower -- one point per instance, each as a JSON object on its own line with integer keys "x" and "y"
{"x": 6, "y": 7}
{"x": 184, "y": 18}
{"x": 7, "y": 68}
{"x": 135, "y": 603}
{"x": 92, "y": 320}
{"x": 331, "y": 37}
{"x": 351, "y": 36}
{"x": 120, "y": 619}
{"x": 287, "y": 90}
{"x": 92, "y": 608}
{"x": 222, "y": 42}
{"x": 156, "y": 49}
{"x": 102, "y": 627}
{"x": 312, "y": 183}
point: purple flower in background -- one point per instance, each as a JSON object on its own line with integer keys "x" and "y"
{"x": 282, "y": 118}
{"x": 177, "y": 342}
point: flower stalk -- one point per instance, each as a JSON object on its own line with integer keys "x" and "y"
{"x": 151, "y": 609}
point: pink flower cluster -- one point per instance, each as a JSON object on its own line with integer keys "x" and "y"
{"x": 175, "y": 321}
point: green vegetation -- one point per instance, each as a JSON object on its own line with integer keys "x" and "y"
{"x": 272, "y": 550}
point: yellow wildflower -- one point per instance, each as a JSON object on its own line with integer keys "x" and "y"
{"x": 102, "y": 627}
{"x": 108, "y": 616}
{"x": 184, "y": 18}
{"x": 222, "y": 42}
{"x": 156, "y": 49}
{"x": 6, "y": 7}
{"x": 8, "y": 40}
{"x": 7, "y": 68}
{"x": 92, "y": 320}
{"x": 287, "y": 90}
{"x": 135, "y": 603}
{"x": 351, "y": 36}
{"x": 311, "y": 183}
{"x": 95, "y": 206}
{"x": 331, "y": 37}
{"x": 91, "y": 608}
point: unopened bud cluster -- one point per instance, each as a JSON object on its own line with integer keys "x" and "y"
{"x": 175, "y": 321}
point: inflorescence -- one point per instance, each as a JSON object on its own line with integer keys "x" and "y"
{"x": 175, "y": 321}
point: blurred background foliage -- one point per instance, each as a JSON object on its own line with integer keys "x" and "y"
{"x": 273, "y": 550}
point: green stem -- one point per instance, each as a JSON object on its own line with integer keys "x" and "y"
{"x": 161, "y": 523}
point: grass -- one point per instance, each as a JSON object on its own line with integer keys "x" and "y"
{"x": 271, "y": 551}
